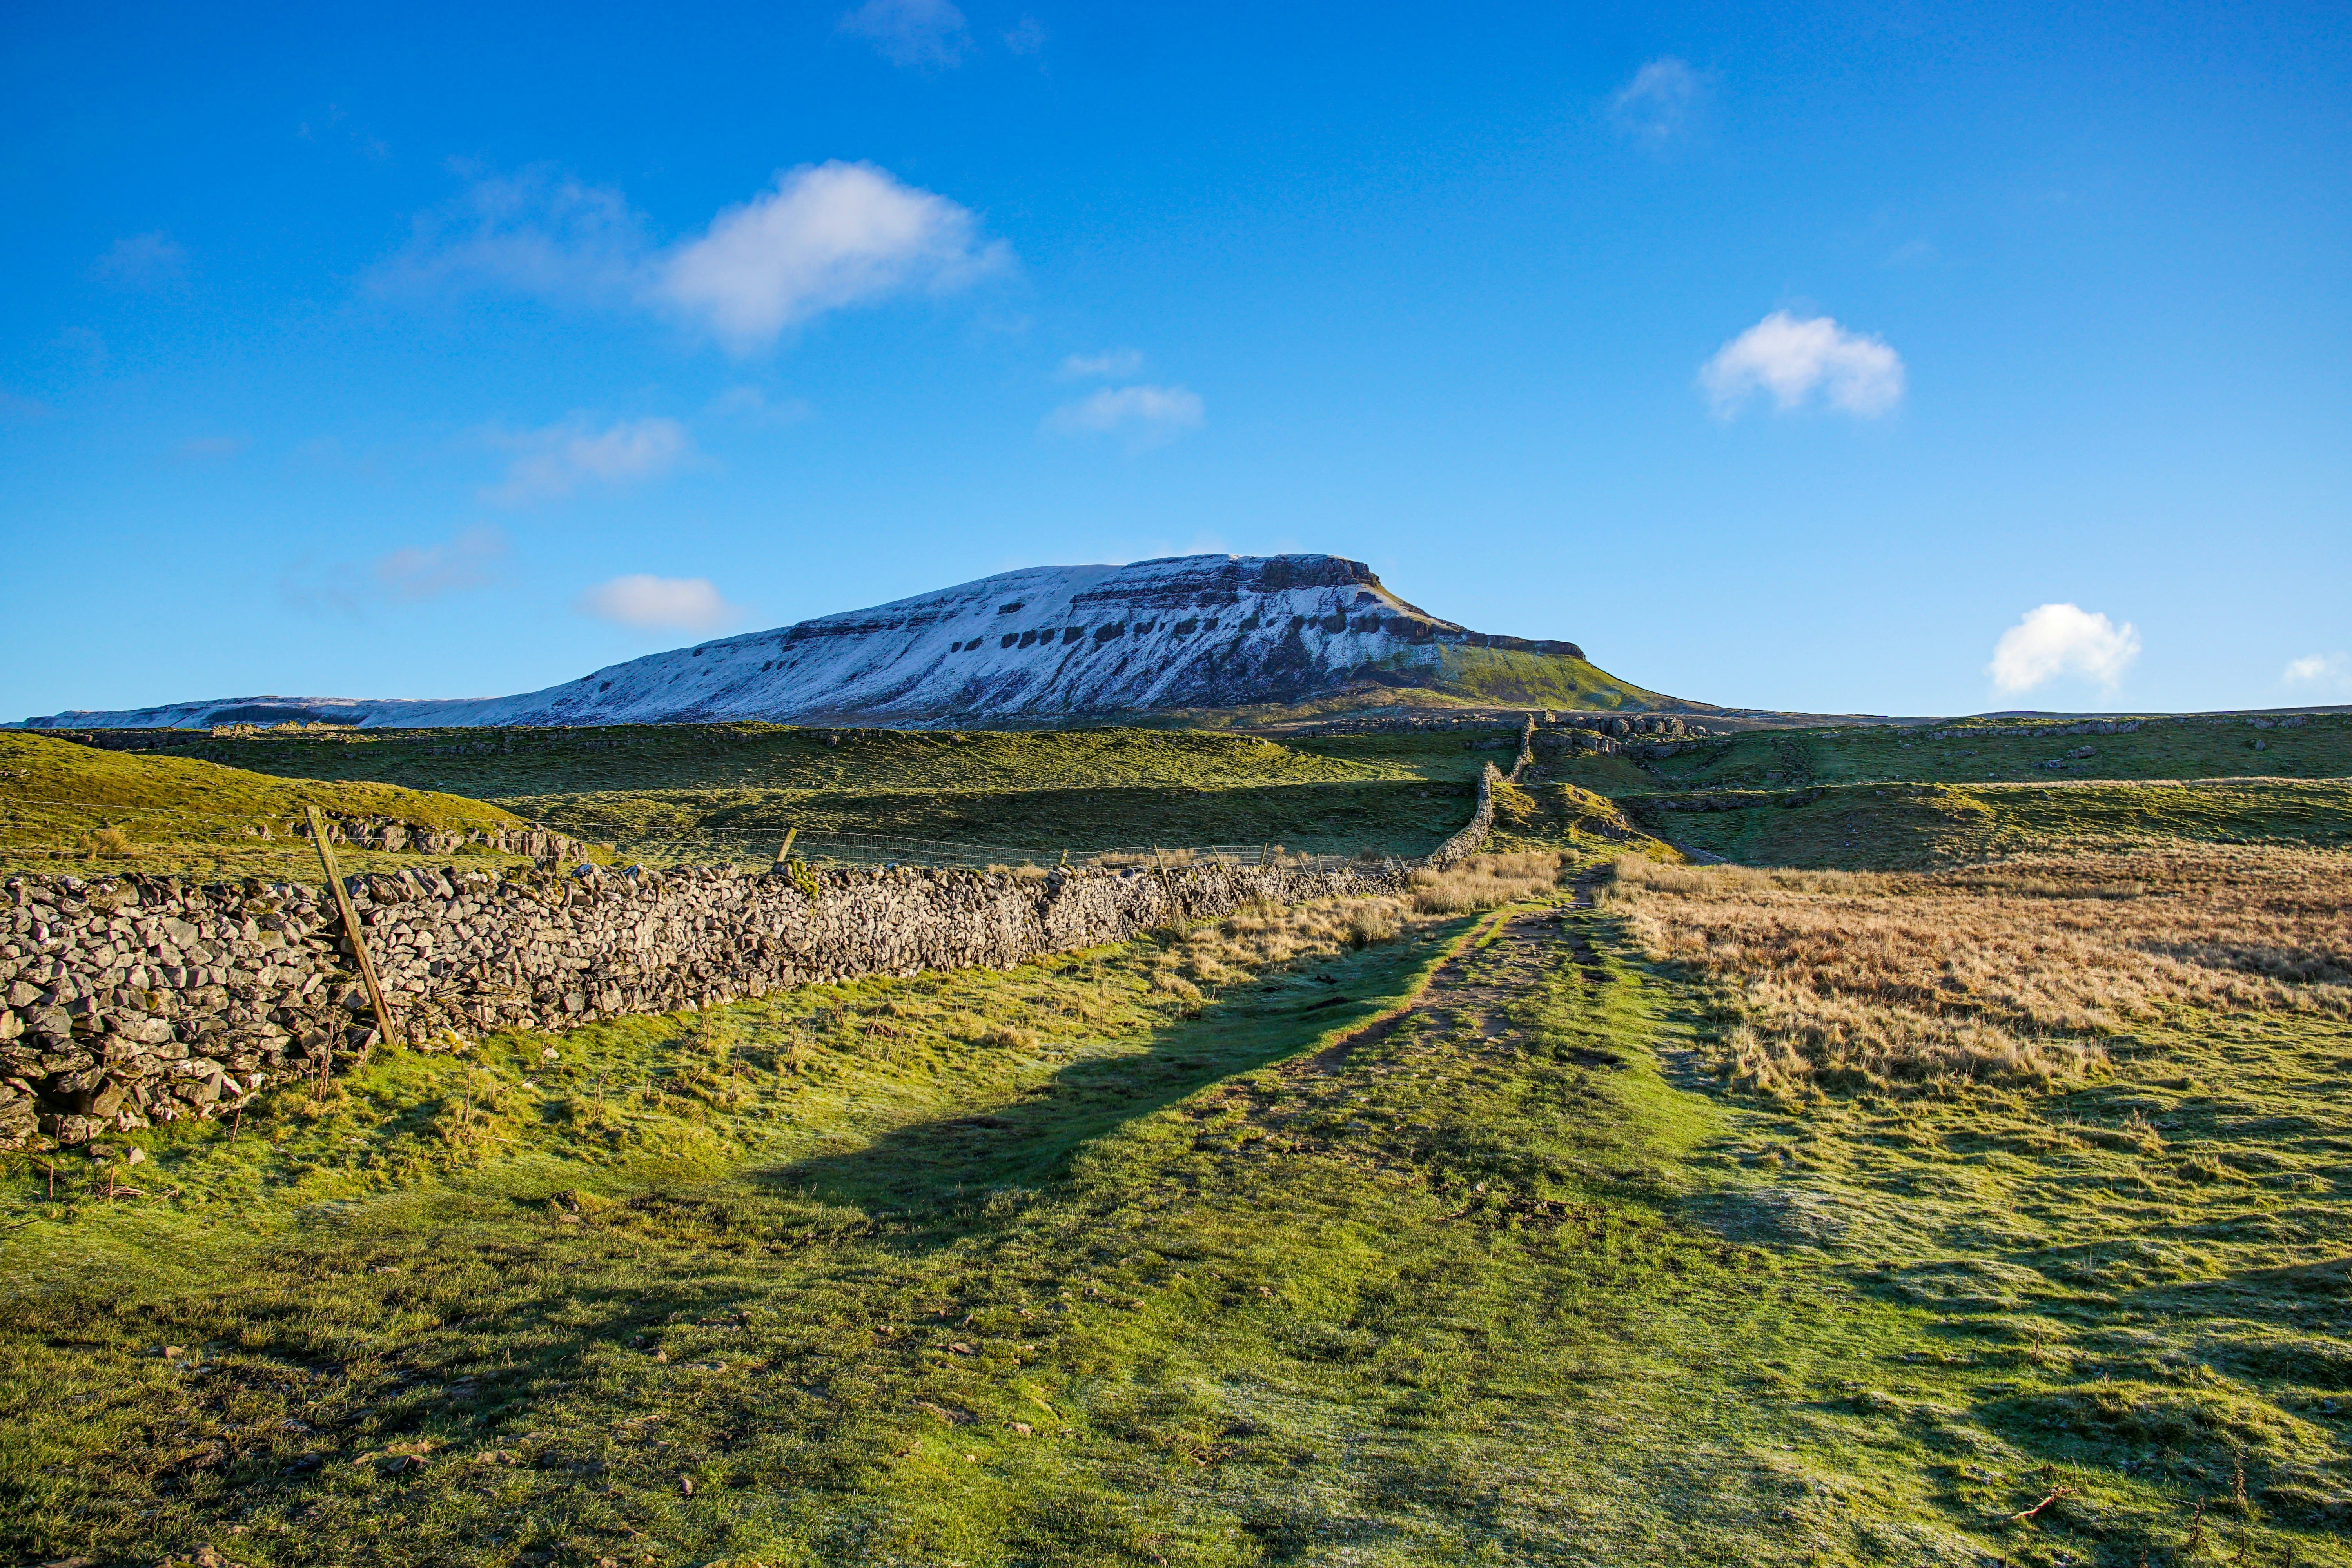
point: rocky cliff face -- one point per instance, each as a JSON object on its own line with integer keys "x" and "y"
{"x": 1193, "y": 631}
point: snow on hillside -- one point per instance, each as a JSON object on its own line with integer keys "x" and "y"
{"x": 1041, "y": 643}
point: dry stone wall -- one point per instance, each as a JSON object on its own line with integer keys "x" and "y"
{"x": 138, "y": 1000}
{"x": 395, "y": 834}
{"x": 1463, "y": 844}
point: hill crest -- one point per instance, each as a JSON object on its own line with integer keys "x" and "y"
{"x": 1031, "y": 645}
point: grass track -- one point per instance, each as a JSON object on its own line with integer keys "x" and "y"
{"x": 1462, "y": 1268}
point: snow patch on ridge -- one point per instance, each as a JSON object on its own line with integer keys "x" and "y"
{"x": 1043, "y": 642}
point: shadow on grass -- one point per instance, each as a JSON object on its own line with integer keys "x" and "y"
{"x": 1032, "y": 1142}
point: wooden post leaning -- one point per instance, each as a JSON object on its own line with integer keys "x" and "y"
{"x": 352, "y": 929}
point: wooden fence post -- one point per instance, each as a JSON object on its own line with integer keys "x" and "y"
{"x": 351, "y": 928}
{"x": 785, "y": 853}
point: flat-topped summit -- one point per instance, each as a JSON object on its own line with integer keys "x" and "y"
{"x": 1031, "y": 645}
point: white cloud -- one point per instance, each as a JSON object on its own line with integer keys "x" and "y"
{"x": 1658, "y": 103}
{"x": 926, "y": 33}
{"x": 753, "y": 406}
{"x": 1025, "y": 36}
{"x": 1792, "y": 359}
{"x": 1110, "y": 362}
{"x": 825, "y": 237}
{"x": 558, "y": 459}
{"x": 142, "y": 261}
{"x": 667, "y": 604}
{"x": 1147, "y": 416}
{"x": 2063, "y": 639}
{"x": 2322, "y": 669}
{"x": 468, "y": 561}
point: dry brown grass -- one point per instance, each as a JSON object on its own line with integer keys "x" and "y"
{"x": 1487, "y": 881}
{"x": 1265, "y": 936}
{"x": 2014, "y": 970}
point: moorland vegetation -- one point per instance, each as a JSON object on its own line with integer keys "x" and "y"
{"x": 1961, "y": 1176}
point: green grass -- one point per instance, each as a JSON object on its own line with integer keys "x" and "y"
{"x": 1055, "y": 1266}
{"x": 1907, "y": 825}
{"x": 1404, "y": 818}
{"x": 1539, "y": 680}
{"x": 649, "y": 758}
{"x": 68, "y": 807}
{"x": 1506, "y": 1282}
{"x": 2321, "y": 747}
{"x": 704, "y": 792}
{"x": 2140, "y": 1285}
{"x": 1452, "y": 754}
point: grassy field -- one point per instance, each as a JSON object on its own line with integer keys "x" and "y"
{"x": 66, "y": 807}
{"x": 1963, "y": 753}
{"x": 1973, "y": 1189}
{"x": 1913, "y": 825}
{"x": 510, "y": 764}
{"x": 1451, "y": 1248}
{"x": 729, "y": 792}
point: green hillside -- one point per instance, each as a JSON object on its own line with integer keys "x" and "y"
{"x": 1915, "y": 824}
{"x": 666, "y": 794}
{"x": 1975, "y": 750}
{"x": 517, "y": 763}
{"x": 65, "y": 806}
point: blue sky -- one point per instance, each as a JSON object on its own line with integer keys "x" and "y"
{"x": 1890, "y": 358}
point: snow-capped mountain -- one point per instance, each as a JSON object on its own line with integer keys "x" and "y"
{"x": 1048, "y": 642}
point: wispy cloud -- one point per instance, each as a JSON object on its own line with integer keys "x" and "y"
{"x": 1110, "y": 362}
{"x": 1146, "y": 415}
{"x": 539, "y": 232}
{"x": 469, "y": 560}
{"x": 142, "y": 261}
{"x": 1660, "y": 102}
{"x": 1025, "y": 36}
{"x": 208, "y": 448}
{"x": 825, "y": 237}
{"x": 411, "y": 575}
{"x": 2053, "y": 640}
{"x": 558, "y": 459}
{"x": 665, "y": 604}
{"x": 2326, "y": 671}
{"x": 1792, "y": 360}
{"x": 926, "y": 33}
{"x": 753, "y": 406}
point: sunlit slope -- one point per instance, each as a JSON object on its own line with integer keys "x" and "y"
{"x": 1919, "y": 824}
{"x": 113, "y": 811}
{"x": 512, "y": 764}
{"x": 2317, "y": 745}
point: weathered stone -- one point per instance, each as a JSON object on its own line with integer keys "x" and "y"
{"x": 463, "y": 952}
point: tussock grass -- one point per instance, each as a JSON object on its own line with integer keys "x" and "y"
{"x": 1486, "y": 881}
{"x": 2018, "y": 971}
